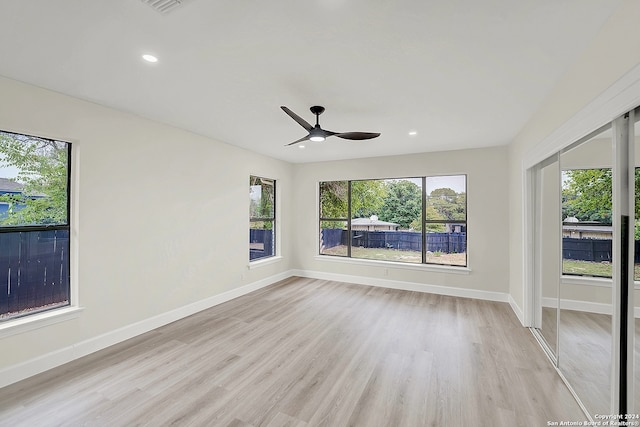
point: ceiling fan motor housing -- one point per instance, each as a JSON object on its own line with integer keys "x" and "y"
{"x": 317, "y": 110}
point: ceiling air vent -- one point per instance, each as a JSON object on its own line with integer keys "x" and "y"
{"x": 163, "y": 6}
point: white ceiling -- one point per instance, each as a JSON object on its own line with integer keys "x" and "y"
{"x": 462, "y": 73}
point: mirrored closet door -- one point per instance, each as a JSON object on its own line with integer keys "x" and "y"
{"x": 582, "y": 226}
{"x": 585, "y": 314}
{"x": 547, "y": 255}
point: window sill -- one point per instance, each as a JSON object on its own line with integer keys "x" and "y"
{"x": 37, "y": 321}
{"x": 263, "y": 262}
{"x": 399, "y": 265}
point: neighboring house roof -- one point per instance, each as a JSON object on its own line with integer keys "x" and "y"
{"x": 369, "y": 221}
{"x": 9, "y": 186}
{"x": 588, "y": 226}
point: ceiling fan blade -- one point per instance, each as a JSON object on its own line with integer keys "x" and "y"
{"x": 300, "y": 140}
{"x": 302, "y": 122}
{"x": 326, "y": 133}
{"x": 357, "y": 135}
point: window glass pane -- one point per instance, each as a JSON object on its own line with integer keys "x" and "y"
{"x": 586, "y": 222}
{"x": 34, "y": 264}
{"x": 261, "y": 239}
{"x": 34, "y": 267}
{"x": 262, "y": 194}
{"x": 446, "y": 220}
{"x": 333, "y": 238}
{"x": 333, "y": 199}
{"x": 446, "y": 198}
{"x": 33, "y": 180}
{"x": 386, "y": 219}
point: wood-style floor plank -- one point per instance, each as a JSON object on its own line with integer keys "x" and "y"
{"x": 307, "y": 352}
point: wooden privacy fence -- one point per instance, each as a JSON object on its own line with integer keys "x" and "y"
{"x": 260, "y": 243}
{"x": 596, "y": 250}
{"x": 402, "y": 240}
{"x": 331, "y": 237}
{"x": 34, "y": 270}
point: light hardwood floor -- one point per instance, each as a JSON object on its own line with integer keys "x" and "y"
{"x": 549, "y": 329}
{"x": 307, "y": 352}
{"x": 585, "y": 355}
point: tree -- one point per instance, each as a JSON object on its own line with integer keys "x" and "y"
{"x": 432, "y": 214}
{"x": 367, "y": 198}
{"x": 450, "y": 205}
{"x": 43, "y": 170}
{"x": 402, "y": 204}
{"x": 333, "y": 203}
{"x": 262, "y": 195}
{"x": 587, "y": 195}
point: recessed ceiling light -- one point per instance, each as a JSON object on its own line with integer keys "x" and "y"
{"x": 301, "y": 146}
{"x": 413, "y": 133}
{"x": 149, "y": 58}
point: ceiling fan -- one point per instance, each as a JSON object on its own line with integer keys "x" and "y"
{"x": 317, "y": 134}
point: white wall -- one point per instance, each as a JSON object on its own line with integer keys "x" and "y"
{"x": 162, "y": 215}
{"x": 488, "y": 250}
{"x": 610, "y": 57}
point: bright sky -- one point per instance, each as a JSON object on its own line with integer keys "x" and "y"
{"x": 255, "y": 192}
{"x": 7, "y": 171}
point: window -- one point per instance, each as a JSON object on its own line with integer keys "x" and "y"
{"x": 262, "y": 217}
{"x": 446, "y": 219}
{"x": 34, "y": 224}
{"x": 334, "y": 210}
{"x": 421, "y": 220}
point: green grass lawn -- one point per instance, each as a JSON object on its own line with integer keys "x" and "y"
{"x": 569, "y": 266}
{"x": 588, "y": 268}
{"x": 397, "y": 255}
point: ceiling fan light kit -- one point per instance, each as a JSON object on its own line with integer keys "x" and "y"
{"x": 317, "y": 134}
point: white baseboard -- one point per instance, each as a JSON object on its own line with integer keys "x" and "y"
{"x": 407, "y": 286}
{"x": 516, "y": 309}
{"x": 15, "y": 373}
{"x": 567, "y": 304}
{"x": 588, "y": 307}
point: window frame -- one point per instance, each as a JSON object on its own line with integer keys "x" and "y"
{"x": 29, "y": 320}
{"x": 411, "y": 265}
{"x": 336, "y": 219}
{"x": 272, "y": 219}
{"x": 425, "y": 221}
